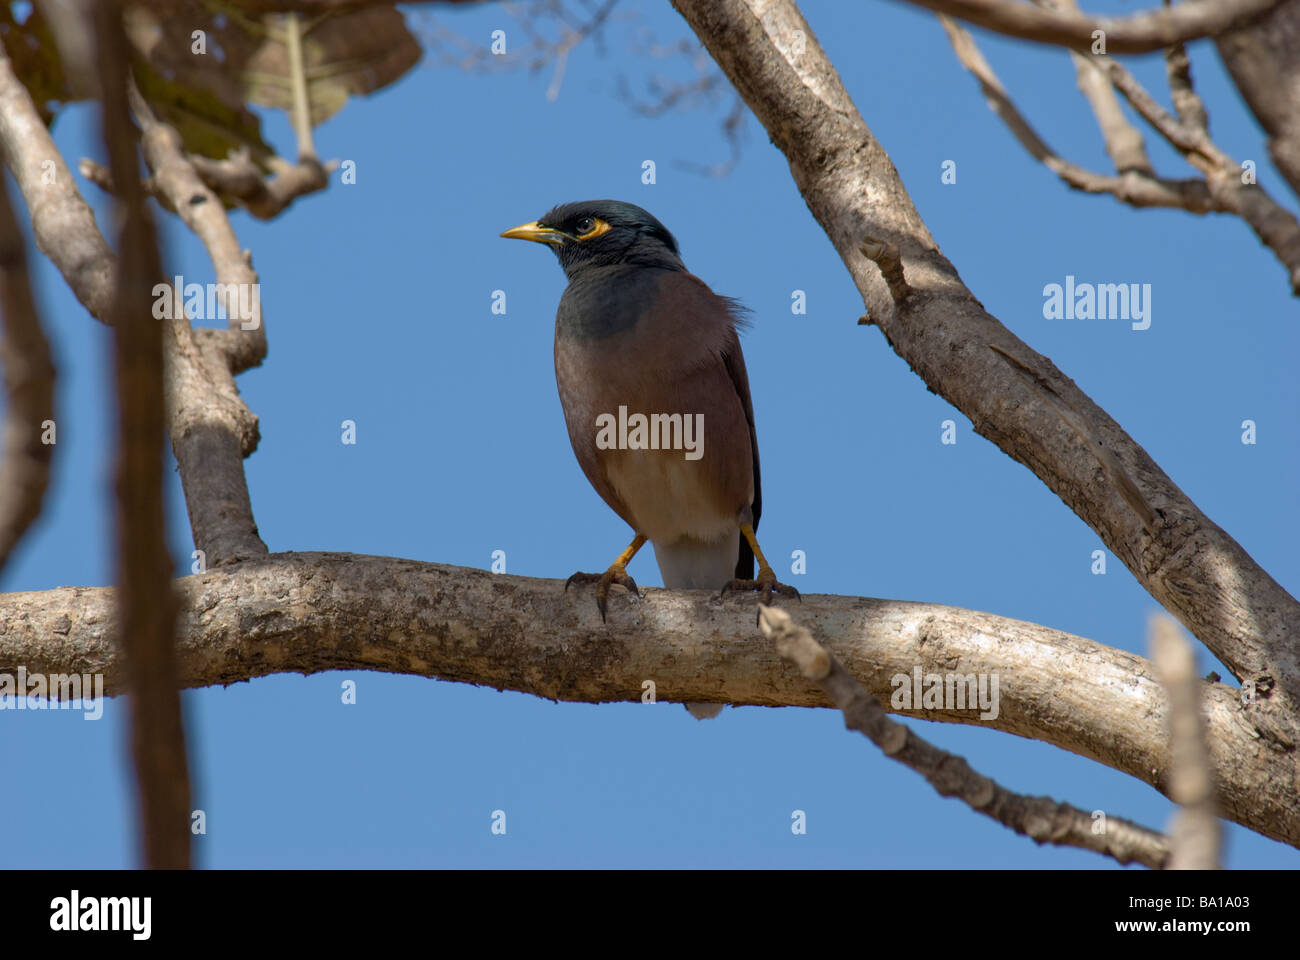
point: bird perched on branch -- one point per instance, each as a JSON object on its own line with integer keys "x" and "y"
{"x": 656, "y": 398}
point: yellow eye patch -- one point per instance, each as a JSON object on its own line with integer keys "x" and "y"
{"x": 598, "y": 227}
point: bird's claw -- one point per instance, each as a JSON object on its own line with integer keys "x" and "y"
{"x": 767, "y": 585}
{"x": 615, "y": 574}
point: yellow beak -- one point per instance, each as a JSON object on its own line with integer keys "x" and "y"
{"x": 537, "y": 233}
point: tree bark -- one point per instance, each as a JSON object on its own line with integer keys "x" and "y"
{"x": 308, "y": 612}
{"x": 1264, "y": 61}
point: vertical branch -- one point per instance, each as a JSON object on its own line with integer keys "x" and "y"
{"x": 29, "y": 386}
{"x": 298, "y": 80}
{"x": 1194, "y": 834}
{"x": 146, "y": 604}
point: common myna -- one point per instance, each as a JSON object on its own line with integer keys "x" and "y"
{"x": 656, "y": 398}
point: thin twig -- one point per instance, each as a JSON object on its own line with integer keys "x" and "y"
{"x": 1042, "y": 819}
{"x": 1188, "y": 103}
{"x": 1124, "y": 142}
{"x": 886, "y": 256}
{"x": 298, "y": 81}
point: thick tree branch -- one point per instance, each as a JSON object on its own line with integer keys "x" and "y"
{"x": 146, "y": 606}
{"x": 28, "y": 372}
{"x": 1189, "y": 564}
{"x": 1140, "y": 33}
{"x": 1042, "y": 819}
{"x": 309, "y": 612}
{"x": 1264, "y": 60}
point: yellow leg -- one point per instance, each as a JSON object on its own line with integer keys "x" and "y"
{"x": 617, "y": 573}
{"x": 766, "y": 581}
{"x": 626, "y": 556}
{"x": 764, "y": 571}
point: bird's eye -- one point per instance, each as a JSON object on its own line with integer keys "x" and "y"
{"x": 585, "y": 226}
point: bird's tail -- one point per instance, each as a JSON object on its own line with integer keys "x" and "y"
{"x": 696, "y": 565}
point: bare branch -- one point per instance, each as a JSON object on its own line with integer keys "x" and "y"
{"x": 1188, "y": 103}
{"x": 1222, "y": 190}
{"x": 1275, "y": 226}
{"x": 308, "y": 612}
{"x": 201, "y": 210}
{"x": 239, "y": 180}
{"x": 1124, "y": 142}
{"x": 62, "y": 221}
{"x": 146, "y": 604}
{"x": 1042, "y": 819}
{"x": 1195, "y": 835}
{"x": 1133, "y": 186}
{"x": 1140, "y": 33}
{"x": 1191, "y": 141}
{"x": 28, "y": 371}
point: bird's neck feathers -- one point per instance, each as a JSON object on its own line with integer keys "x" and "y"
{"x": 650, "y": 252}
{"x": 643, "y": 251}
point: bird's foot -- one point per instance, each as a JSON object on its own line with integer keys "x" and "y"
{"x": 617, "y": 573}
{"x": 767, "y": 585}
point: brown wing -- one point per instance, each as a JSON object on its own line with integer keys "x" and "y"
{"x": 735, "y": 361}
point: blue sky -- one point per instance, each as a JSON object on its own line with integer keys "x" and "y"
{"x": 377, "y": 300}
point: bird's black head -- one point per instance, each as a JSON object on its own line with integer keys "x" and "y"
{"x": 602, "y": 233}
